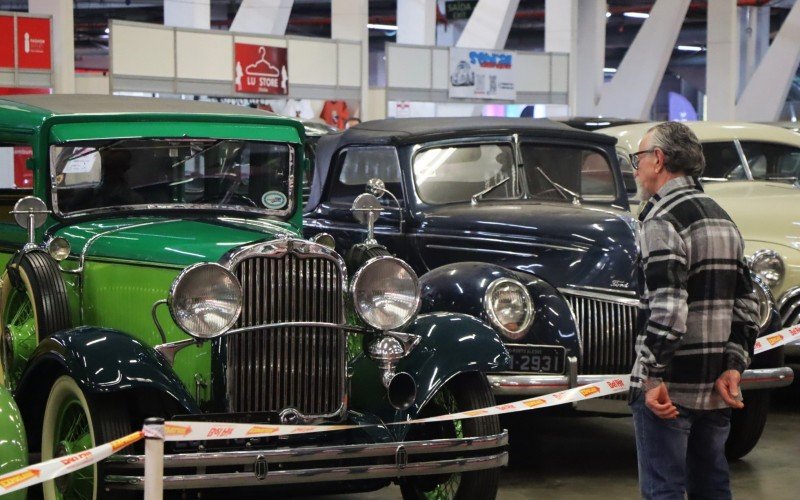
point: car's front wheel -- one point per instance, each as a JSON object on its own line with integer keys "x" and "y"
{"x": 747, "y": 424}
{"x": 72, "y": 423}
{"x": 465, "y": 392}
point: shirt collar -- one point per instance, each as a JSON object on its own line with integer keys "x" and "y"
{"x": 668, "y": 188}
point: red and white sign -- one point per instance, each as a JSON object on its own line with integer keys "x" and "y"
{"x": 33, "y": 43}
{"x": 261, "y": 69}
{"x": 6, "y": 41}
{"x": 23, "y": 178}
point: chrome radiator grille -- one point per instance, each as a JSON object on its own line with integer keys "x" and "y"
{"x": 608, "y": 333}
{"x": 294, "y": 367}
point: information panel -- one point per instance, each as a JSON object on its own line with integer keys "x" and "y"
{"x": 261, "y": 69}
{"x": 482, "y": 74}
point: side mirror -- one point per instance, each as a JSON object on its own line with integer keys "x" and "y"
{"x": 376, "y": 186}
{"x": 366, "y": 209}
{"x": 30, "y": 212}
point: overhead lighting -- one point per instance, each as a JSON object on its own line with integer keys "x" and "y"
{"x": 689, "y": 48}
{"x": 608, "y": 14}
{"x": 609, "y": 70}
{"x": 385, "y": 27}
{"x": 637, "y": 15}
{"x": 108, "y": 31}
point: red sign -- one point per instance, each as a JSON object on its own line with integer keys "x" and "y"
{"x": 23, "y": 178}
{"x": 6, "y": 41}
{"x": 261, "y": 69}
{"x": 33, "y": 43}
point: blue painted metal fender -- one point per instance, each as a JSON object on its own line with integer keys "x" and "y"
{"x": 104, "y": 361}
{"x": 451, "y": 344}
{"x": 13, "y": 445}
{"x": 461, "y": 287}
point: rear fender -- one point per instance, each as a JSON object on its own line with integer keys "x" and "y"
{"x": 14, "y": 445}
{"x": 461, "y": 288}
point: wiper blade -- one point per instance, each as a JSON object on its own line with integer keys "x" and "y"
{"x": 476, "y": 196}
{"x": 576, "y": 199}
{"x": 89, "y": 151}
{"x": 198, "y": 153}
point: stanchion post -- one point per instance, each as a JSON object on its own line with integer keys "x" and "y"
{"x": 154, "y": 459}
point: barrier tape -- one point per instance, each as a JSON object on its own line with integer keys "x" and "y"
{"x": 781, "y": 337}
{"x": 203, "y": 431}
{"x": 51, "y": 469}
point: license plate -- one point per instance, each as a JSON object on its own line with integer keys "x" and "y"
{"x": 538, "y": 359}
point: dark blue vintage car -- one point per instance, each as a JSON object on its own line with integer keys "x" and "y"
{"x": 523, "y": 223}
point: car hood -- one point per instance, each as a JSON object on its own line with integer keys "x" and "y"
{"x": 566, "y": 244}
{"x": 763, "y": 211}
{"x": 167, "y": 241}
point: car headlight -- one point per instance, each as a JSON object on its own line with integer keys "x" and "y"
{"x": 509, "y": 307}
{"x": 205, "y": 300}
{"x": 764, "y": 299}
{"x": 768, "y": 265}
{"x": 385, "y": 292}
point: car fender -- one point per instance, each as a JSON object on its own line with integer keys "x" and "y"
{"x": 461, "y": 287}
{"x": 14, "y": 445}
{"x": 451, "y": 344}
{"x": 103, "y": 361}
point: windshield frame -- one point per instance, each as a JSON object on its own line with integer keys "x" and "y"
{"x": 283, "y": 214}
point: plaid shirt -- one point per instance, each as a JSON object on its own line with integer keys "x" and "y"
{"x": 698, "y": 306}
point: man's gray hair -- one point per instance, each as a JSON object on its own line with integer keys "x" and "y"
{"x": 682, "y": 151}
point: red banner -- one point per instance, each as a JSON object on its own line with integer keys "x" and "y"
{"x": 23, "y": 178}
{"x": 261, "y": 69}
{"x": 6, "y": 41}
{"x": 33, "y": 43}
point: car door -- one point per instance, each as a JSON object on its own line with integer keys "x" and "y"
{"x": 353, "y": 168}
{"x": 16, "y": 181}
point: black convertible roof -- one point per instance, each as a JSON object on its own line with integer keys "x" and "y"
{"x": 409, "y": 130}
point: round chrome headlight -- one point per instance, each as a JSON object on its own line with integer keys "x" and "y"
{"x": 509, "y": 307}
{"x": 768, "y": 265}
{"x": 764, "y": 305}
{"x": 205, "y": 300}
{"x": 385, "y": 292}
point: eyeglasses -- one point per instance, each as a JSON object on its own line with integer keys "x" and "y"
{"x": 635, "y": 157}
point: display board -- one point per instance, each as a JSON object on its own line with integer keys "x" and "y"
{"x": 155, "y": 58}
{"x": 26, "y": 56}
{"x": 422, "y": 73}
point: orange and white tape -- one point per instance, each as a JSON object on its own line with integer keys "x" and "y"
{"x": 51, "y": 469}
{"x": 781, "y": 337}
{"x": 202, "y": 431}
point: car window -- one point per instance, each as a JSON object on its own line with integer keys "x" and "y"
{"x": 627, "y": 173}
{"x": 722, "y": 162}
{"x": 582, "y": 171}
{"x": 770, "y": 161}
{"x": 452, "y": 174}
{"x": 357, "y": 165}
{"x": 167, "y": 172}
{"x": 16, "y": 181}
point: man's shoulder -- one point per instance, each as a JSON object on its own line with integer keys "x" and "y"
{"x": 689, "y": 207}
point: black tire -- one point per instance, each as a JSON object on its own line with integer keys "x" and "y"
{"x": 37, "y": 296}
{"x": 74, "y": 421}
{"x": 468, "y": 392}
{"x": 747, "y": 424}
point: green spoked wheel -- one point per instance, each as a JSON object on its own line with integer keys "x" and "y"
{"x": 466, "y": 392}
{"x": 73, "y": 423}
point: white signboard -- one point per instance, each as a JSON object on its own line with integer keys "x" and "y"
{"x": 482, "y": 74}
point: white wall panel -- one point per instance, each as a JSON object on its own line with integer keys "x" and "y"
{"x": 532, "y": 72}
{"x": 441, "y": 69}
{"x": 312, "y": 63}
{"x": 260, "y": 40}
{"x": 204, "y": 55}
{"x": 142, "y": 51}
{"x": 408, "y": 67}
{"x": 91, "y": 84}
{"x": 349, "y": 64}
{"x": 559, "y": 68}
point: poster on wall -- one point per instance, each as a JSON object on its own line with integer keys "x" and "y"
{"x": 482, "y": 74}
{"x": 6, "y": 41}
{"x": 33, "y": 43}
{"x": 261, "y": 69}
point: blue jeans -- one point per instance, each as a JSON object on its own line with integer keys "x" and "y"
{"x": 683, "y": 455}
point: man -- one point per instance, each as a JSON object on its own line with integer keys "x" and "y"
{"x": 698, "y": 330}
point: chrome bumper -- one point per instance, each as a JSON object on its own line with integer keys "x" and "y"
{"x": 538, "y": 385}
{"x": 261, "y": 462}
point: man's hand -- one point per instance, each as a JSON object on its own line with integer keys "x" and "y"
{"x": 657, "y": 399}
{"x": 727, "y": 385}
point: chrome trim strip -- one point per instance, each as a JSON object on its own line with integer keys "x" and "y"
{"x": 317, "y": 475}
{"x": 482, "y": 250}
{"x": 315, "y": 453}
{"x": 743, "y": 159}
{"x": 624, "y": 297}
{"x": 788, "y": 295}
{"x": 505, "y": 242}
{"x": 789, "y": 306}
{"x": 538, "y": 385}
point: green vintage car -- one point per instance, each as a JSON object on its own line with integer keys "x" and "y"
{"x": 153, "y": 267}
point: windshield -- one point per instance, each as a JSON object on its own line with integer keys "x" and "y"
{"x": 550, "y": 170}
{"x": 766, "y": 161}
{"x": 221, "y": 173}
